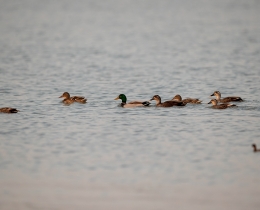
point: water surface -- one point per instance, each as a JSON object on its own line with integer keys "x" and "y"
{"x": 140, "y": 48}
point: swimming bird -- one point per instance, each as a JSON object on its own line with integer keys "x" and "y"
{"x": 255, "y": 148}
{"x": 69, "y": 100}
{"x": 132, "y": 103}
{"x": 8, "y": 110}
{"x": 186, "y": 100}
{"x": 159, "y": 103}
{"x": 227, "y": 99}
{"x": 219, "y": 106}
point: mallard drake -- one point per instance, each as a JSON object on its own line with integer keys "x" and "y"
{"x": 8, "y": 110}
{"x": 219, "y": 106}
{"x": 227, "y": 99}
{"x": 132, "y": 103}
{"x": 255, "y": 149}
{"x": 159, "y": 103}
{"x": 69, "y": 100}
{"x": 186, "y": 100}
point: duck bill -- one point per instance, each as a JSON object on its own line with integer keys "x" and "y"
{"x": 151, "y": 99}
{"x": 116, "y": 98}
{"x": 212, "y": 94}
{"x": 209, "y": 102}
{"x": 61, "y": 96}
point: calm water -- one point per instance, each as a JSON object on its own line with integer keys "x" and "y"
{"x": 100, "y": 49}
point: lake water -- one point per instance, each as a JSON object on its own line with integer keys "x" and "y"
{"x": 101, "y": 156}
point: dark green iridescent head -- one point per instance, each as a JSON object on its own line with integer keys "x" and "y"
{"x": 122, "y": 97}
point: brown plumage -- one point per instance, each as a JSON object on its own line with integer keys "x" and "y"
{"x": 69, "y": 100}
{"x": 219, "y": 106}
{"x": 157, "y": 98}
{"x": 186, "y": 100}
{"x": 255, "y": 148}
{"x": 227, "y": 99}
{"x": 8, "y": 110}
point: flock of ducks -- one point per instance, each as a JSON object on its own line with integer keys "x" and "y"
{"x": 178, "y": 101}
{"x": 175, "y": 101}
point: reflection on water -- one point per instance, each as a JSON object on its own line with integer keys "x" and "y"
{"x": 139, "y": 48}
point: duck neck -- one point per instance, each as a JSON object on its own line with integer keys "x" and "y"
{"x": 214, "y": 103}
{"x": 218, "y": 96}
{"x": 158, "y": 101}
{"x": 123, "y": 98}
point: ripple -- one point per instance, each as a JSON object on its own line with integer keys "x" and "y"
{"x": 132, "y": 52}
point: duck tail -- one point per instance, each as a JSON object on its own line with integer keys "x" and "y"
{"x": 231, "y": 105}
{"x": 14, "y": 110}
{"x": 146, "y": 103}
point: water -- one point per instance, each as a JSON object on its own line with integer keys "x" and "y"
{"x": 140, "y": 48}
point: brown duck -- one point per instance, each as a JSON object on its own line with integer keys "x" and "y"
{"x": 186, "y": 100}
{"x": 255, "y": 148}
{"x": 8, "y": 110}
{"x": 227, "y": 99}
{"x": 219, "y": 106}
{"x": 159, "y": 103}
{"x": 69, "y": 100}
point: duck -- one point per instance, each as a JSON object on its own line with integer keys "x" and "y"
{"x": 69, "y": 100}
{"x": 227, "y": 99}
{"x": 255, "y": 148}
{"x": 219, "y": 106}
{"x": 132, "y": 103}
{"x": 186, "y": 100}
{"x": 8, "y": 110}
{"x": 159, "y": 103}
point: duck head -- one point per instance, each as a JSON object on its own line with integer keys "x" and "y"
{"x": 122, "y": 97}
{"x": 157, "y": 98}
{"x": 177, "y": 98}
{"x": 213, "y": 101}
{"x": 65, "y": 95}
{"x": 217, "y": 94}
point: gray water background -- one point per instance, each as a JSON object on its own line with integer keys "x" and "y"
{"x": 100, "y": 49}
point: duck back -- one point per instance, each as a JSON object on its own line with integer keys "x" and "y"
{"x": 171, "y": 103}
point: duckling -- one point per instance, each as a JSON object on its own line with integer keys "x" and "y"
{"x": 186, "y": 100}
{"x": 69, "y": 100}
{"x": 132, "y": 103}
{"x": 157, "y": 98}
{"x": 255, "y": 148}
{"x": 227, "y": 99}
{"x": 220, "y": 106}
{"x": 8, "y": 110}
